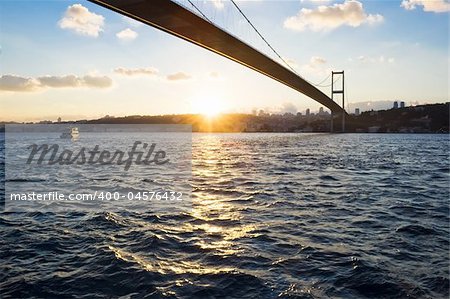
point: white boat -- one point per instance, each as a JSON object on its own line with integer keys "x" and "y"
{"x": 72, "y": 134}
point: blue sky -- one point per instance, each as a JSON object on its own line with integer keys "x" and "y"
{"x": 52, "y": 64}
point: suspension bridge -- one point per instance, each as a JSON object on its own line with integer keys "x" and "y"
{"x": 198, "y": 29}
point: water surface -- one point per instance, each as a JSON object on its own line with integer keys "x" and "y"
{"x": 273, "y": 216}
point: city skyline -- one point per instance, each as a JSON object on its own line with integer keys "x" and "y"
{"x": 87, "y": 62}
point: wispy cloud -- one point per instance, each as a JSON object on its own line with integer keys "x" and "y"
{"x": 317, "y": 60}
{"x": 373, "y": 59}
{"x": 178, "y": 76}
{"x": 218, "y": 4}
{"x": 316, "y": 67}
{"x": 324, "y": 18}
{"x": 292, "y": 63}
{"x": 149, "y": 71}
{"x": 79, "y": 19}
{"x": 127, "y": 34}
{"x": 25, "y": 84}
{"x": 427, "y": 5}
{"x": 215, "y": 76}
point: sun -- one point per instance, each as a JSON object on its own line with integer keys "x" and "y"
{"x": 208, "y": 106}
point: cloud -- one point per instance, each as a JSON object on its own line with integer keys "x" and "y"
{"x": 178, "y": 76}
{"x": 24, "y": 84}
{"x": 59, "y": 81}
{"x": 218, "y": 4}
{"x": 324, "y": 18}
{"x": 127, "y": 34}
{"x": 96, "y": 81}
{"x": 374, "y": 59}
{"x": 16, "y": 83}
{"x": 79, "y": 19}
{"x": 93, "y": 81}
{"x": 317, "y": 67}
{"x": 149, "y": 71}
{"x": 288, "y": 108}
{"x": 362, "y": 58}
{"x": 214, "y": 75}
{"x": 427, "y": 5}
{"x": 292, "y": 63}
{"x": 315, "y": 60}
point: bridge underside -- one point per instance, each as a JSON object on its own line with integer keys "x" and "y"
{"x": 179, "y": 21}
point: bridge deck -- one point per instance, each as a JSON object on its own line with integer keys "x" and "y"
{"x": 179, "y": 21}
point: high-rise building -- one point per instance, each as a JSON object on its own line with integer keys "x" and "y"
{"x": 395, "y": 105}
{"x": 308, "y": 112}
{"x": 402, "y": 104}
{"x": 321, "y": 111}
{"x": 357, "y": 111}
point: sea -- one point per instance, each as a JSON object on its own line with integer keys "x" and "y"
{"x": 271, "y": 216}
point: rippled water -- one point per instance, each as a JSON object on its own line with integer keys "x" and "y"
{"x": 274, "y": 216}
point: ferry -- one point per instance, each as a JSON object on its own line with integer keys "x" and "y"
{"x": 72, "y": 134}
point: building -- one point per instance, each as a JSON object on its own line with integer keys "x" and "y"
{"x": 402, "y": 104}
{"x": 395, "y": 105}
{"x": 321, "y": 111}
{"x": 308, "y": 112}
{"x": 357, "y": 111}
{"x": 59, "y": 119}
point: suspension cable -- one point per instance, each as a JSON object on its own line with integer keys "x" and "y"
{"x": 328, "y": 85}
{"x": 198, "y": 9}
{"x": 318, "y": 84}
{"x": 265, "y": 41}
{"x": 262, "y": 37}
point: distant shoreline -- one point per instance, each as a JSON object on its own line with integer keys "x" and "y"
{"x": 425, "y": 119}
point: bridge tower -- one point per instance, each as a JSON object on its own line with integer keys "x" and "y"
{"x": 338, "y": 91}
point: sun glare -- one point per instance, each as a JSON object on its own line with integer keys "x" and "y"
{"x": 208, "y": 106}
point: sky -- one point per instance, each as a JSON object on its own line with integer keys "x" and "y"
{"x": 77, "y": 60}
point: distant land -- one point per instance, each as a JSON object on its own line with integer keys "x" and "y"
{"x": 430, "y": 118}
